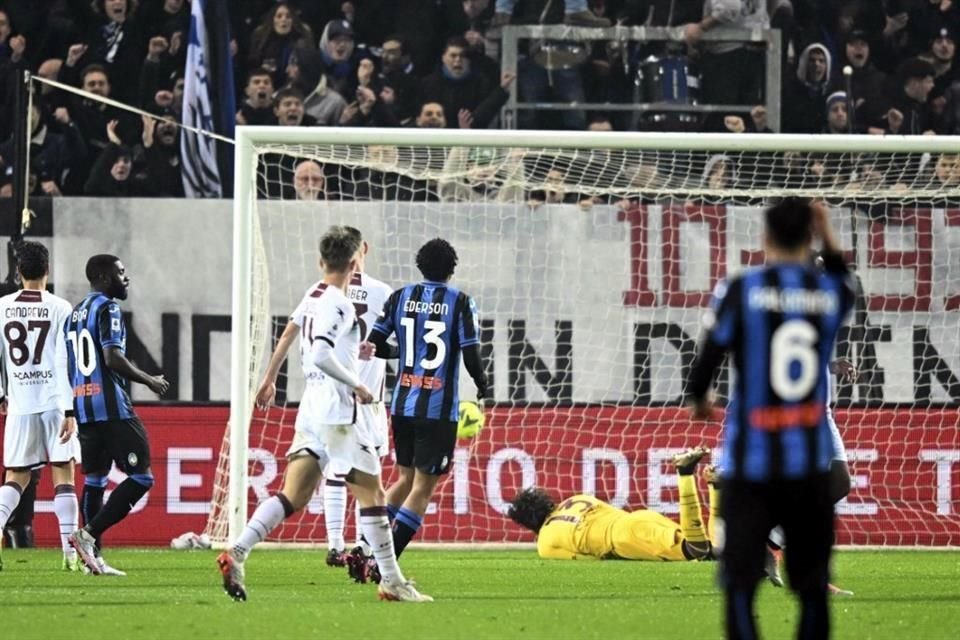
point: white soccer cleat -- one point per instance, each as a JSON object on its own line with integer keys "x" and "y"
{"x": 86, "y": 547}
{"x": 401, "y": 592}
{"x": 771, "y": 566}
{"x": 837, "y": 591}
{"x": 107, "y": 570}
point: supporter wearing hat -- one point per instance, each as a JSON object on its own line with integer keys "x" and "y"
{"x": 941, "y": 53}
{"x": 804, "y": 95}
{"x": 908, "y": 111}
{"x": 837, "y": 116}
{"x": 867, "y": 84}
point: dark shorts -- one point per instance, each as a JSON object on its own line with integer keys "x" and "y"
{"x": 805, "y": 511}
{"x": 425, "y": 444}
{"x": 121, "y": 441}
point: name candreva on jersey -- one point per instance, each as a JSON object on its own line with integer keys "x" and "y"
{"x": 419, "y": 306}
{"x": 27, "y": 312}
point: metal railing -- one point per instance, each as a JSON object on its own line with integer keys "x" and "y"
{"x": 512, "y": 35}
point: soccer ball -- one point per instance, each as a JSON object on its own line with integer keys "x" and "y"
{"x": 471, "y": 420}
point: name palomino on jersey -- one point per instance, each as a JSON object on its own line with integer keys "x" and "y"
{"x": 440, "y": 308}
{"x": 794, "y": 300}
{"x": 27, "y": 312}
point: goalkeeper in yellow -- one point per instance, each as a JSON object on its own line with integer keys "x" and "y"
{"x": 585, "y": 527}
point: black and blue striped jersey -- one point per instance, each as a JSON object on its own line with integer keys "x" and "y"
{"x": 99, "y": 393}
{"x": 779, "y": 323}
{"x": 433, "y": 322}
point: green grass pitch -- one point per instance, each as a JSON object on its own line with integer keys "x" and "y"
{"x": 489, "y": 594}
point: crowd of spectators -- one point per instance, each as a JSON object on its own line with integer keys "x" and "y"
{"x": 434, "y": 63}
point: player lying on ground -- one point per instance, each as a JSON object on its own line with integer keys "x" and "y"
{"x": 585, "y": 527}
{"x": 38, "y": 401}
{"x": 325, "y": 430}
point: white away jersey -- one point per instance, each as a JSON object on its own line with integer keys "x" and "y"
{"x": 34, "y": 352}
{"x": 325, "y": 314}
{"x": 368, "y": 296}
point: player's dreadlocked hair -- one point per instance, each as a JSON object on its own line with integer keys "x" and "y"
{"x": 33, "y": 260}
{"x": 436, "y": 260}
{"x": 337, "y": 248}
{"x": 530, "y": 508}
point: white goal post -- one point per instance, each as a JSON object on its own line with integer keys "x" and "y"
{"x": 638, "y": 226}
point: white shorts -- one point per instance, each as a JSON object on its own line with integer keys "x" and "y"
{"x": 839, "y": 451}
{"x": 352, "y": 446}
{"x": 33, "y": 440}
{"x": 309, "y": 437}
{"x": 373, "y": 420}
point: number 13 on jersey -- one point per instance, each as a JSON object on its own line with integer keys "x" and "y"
{"x": 432, "y": 338}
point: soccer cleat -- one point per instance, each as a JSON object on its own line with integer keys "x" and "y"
{"x": 687, "y": 461}
{"x": 401, "y": 592}
{"x": 373, "y": 571}
{"x": 107, "y": 570}
{"x": 336, "y": 558}
{"x": 710, "y": 474}
{"x": 837, "y": 591}
{"x": 361, "y": 567}
{"x": 771, "y": 566}
{"x": 232, "y": 571}
{"x": 72, "y": 563}
{"x": 86, "y": 548}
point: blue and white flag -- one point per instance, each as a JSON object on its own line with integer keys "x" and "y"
{"x": 208, "y": 103}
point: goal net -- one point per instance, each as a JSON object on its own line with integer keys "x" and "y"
{"x": 591, "y": 258}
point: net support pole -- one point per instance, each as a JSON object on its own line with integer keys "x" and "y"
{"x": 20, "y": 160}
{"x": 244, "y": 194}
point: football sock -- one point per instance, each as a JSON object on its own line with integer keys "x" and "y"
{"x": 92, "y": 499}
{"x": 67, "y": 510}
{"x": 814, "y": 618}
{"x": 691, "y": 524}
{"x": 334, "y": 512}
{"x": 405, "y": 526}
{"x": 121, "y": 501}
{"x": 714, "y": 495}
{"x": 376, "y": 529}
{"x": 740, "y": 621}
{"x": 776, "y": 539}
{"x": 267, "y": 516}
{"x": 392, "y": 512}
{"x": 9, "y": 498}
{"x": 361, "y": 541}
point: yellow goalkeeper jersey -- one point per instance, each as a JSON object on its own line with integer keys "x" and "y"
{"x": 585, "y": 527}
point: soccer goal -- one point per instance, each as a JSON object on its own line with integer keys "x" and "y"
{"x": 592, "y": 257}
